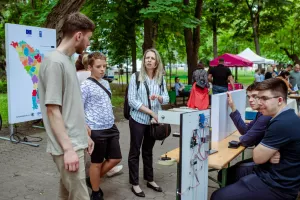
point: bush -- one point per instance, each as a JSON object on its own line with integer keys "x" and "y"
{"x": 3, "y": 87}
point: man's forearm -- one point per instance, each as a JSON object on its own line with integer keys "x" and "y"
{"x": 58, "y": 128}
{"x": 231, "y": 82}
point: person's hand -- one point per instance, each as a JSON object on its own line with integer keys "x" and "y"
{"x": 88, "y": 130}
{"x": 230, "y": 102}
{"x": 154, "y": 116}
{"x": 153, "y": 121}
{"x": 71, "y": 160}
{"x": 91, "y": 145}
{"x": 153, "y": 97}
{"x": 275, "y": 158}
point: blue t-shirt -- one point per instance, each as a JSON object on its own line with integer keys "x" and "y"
{"x": 283, "y": 134}
{"x": 177, "y": 87}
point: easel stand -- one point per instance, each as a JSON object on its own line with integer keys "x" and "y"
{"x": 11, "y": 138}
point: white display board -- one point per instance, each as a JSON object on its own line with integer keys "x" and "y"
{"x": 193, "y": 166}
{"x": 26, "y": 47}
{"x": 221, "y": 123}
{"x": 292, "y": 103}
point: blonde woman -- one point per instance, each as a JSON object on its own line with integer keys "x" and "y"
{"x": 151, "y": 74}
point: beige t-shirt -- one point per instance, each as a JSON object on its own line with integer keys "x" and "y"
{"x": 58, "y": 85}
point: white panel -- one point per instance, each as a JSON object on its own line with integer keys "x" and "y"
{"x": 221, "y": 123}
{"x": 192, "y": 188}
{"x": 292, "y": 103}
{"x": 171, "y": 116}
{"x": 28, "y": 44}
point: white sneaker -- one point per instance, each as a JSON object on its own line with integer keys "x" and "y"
{"x": 114, "y": 171}
{"x": 176, "y": 134}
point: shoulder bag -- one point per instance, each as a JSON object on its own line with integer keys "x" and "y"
{"x": 157, "y": 131}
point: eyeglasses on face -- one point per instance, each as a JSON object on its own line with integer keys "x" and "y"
{"x": 265, "y": 98}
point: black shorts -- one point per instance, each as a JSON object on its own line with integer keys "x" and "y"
{"x": 106, "y": 147}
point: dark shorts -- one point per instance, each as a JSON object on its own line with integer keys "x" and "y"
{"x": 106, "y": 147}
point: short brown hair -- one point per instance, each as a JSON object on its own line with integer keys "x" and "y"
{"x": 276, "y": 85}
{"x": 77, "y": 22}
{"x": 252, "y": 87}
{"x": 94, "y": 56}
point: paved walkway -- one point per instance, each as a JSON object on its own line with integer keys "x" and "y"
{"x": 29, "y": 173}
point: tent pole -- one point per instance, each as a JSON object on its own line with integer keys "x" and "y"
{"x": 236, "y": 74}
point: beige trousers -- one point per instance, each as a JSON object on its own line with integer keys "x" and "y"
{"x": 72, "y": 184}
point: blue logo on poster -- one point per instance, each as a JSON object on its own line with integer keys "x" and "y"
{"x": 28, "y": 32}
{"x": 40, "y": 34}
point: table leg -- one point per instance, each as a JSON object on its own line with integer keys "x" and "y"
{"x": 243, "y": 155}
{"x": 177, "y": 186}
{"x": 224, "y": 177}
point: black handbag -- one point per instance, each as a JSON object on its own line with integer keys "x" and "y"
{"x": 157, "y": 131}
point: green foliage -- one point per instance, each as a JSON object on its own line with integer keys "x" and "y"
{"x": 4, "y": 108}
{"x": 116, "y": 23}
{"x": 3, "y": 87}
{"x": 30, "y": 13}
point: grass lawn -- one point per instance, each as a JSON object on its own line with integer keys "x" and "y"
{"x": 3, "y": 108}
{"x": 246, "y": 77}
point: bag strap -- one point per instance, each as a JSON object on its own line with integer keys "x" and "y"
{"x": 100, "y": 85}
{"x": 148, "y": 94}
{"x": 137, "y": 82}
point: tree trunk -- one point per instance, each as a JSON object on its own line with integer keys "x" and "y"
{"x": 215, "y": 38}
{"x": 150, "y": 31}
{"x": 255, "y": 36}
{"x": 293, "y": 57}
{"x": 255, "y": 23}
{"x": 133, "y": 49}
{"x": 56, "y": 17}
{"x": 192, "y": 41}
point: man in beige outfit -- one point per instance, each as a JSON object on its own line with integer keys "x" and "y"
{"x": 62, "y": 110}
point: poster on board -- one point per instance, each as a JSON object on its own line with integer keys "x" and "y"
{"x": 26, "y": 47}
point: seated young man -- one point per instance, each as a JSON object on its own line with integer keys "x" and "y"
{"x": 99, "y": 118}
{"x": 179, "y": 88}
{"x": 252, "y": 133}
{"x": 268, "y": 180}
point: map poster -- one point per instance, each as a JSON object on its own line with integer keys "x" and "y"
{"x": 26, "y": 47}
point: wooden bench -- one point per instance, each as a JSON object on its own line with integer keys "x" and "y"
{"x": 173, "y": 97}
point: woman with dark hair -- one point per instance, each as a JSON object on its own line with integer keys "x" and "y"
{"x": 199, "y": 97}
{"x": 284, "y": 75}
{"x": 81, "y": 65}
{"x": 262, "y": 74}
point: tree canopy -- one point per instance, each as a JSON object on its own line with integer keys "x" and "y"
{"x": 183, "y": 31}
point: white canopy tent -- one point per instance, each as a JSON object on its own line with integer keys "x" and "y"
{"x": 256, "y": 59}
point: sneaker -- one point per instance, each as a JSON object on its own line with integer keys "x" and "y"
{"x": 88, "y": 183}
{"x": 176, "y": 134}
{"x": 97, "y": 197}
{"x": 115, "y": 171}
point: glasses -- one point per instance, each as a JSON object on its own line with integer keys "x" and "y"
{"x": 264, "y": 98}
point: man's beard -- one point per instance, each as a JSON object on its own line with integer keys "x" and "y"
{"x": 79, "y": 49}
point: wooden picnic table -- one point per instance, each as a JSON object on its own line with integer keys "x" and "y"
{"x": 220, "y": 160}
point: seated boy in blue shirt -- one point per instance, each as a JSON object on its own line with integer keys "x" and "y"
{"x": 180, "y": 88}
{"x": 268, "y": 180}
